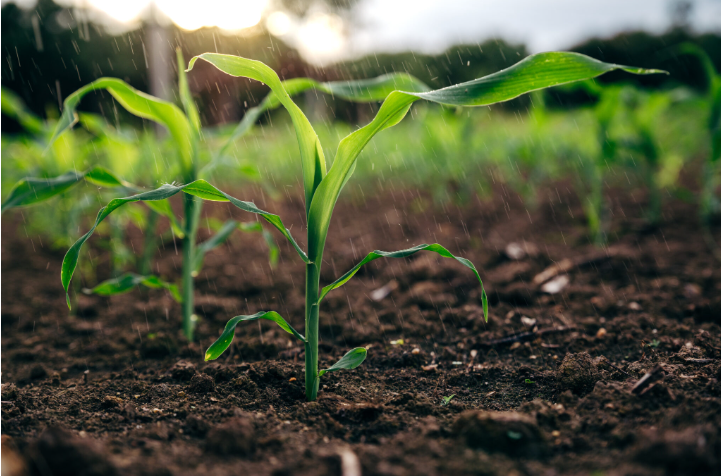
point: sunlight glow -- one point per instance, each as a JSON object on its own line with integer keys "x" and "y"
{"x": 278, "y": 23}
{"x": 226, "y": 14}
{"x": 322, "y": 37}
{"x": 123, "y": 11}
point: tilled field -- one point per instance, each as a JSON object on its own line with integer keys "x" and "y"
{"x": 592, "y": 362}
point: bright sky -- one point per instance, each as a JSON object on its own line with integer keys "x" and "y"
{"x": 421, "y": 25}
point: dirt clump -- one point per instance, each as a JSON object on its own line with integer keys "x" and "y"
{"x": 577, "y": 373}
{"x": 59, "y": 452}
{"x": 235, "y": 437}
{"x": 182, "y": 371}
{"x": 511, "y": 433}
{"x": 201, "y": 383}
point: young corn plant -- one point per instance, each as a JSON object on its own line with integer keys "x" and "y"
{"x": 322, "y": 186}
{"x": 710, "y": 202}
{"x": 184, "y": 129}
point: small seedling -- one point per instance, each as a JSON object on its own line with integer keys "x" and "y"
{"x": 185, "y": 131}
{"x": 528, "y": 381}
{"x": 447, "y": 400}
{"x": 322, "y": 185}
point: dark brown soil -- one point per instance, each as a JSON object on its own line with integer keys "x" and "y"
{"x": 116, "y": 389}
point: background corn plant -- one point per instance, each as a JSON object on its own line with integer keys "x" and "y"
{"x": 184, "y": 129}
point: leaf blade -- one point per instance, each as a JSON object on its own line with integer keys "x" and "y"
{"x": 126, "y": 282}
{"x": 199, "y": 188}
{"x": 226, "y": 338}
{"x": 352, "y": 359}
{"x": 435, "y": 248}
{"x": 312, "y": 158}
{"x": 139, "y": 104}
{"x": 530, "y": 74}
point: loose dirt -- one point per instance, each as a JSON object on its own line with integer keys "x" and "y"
{"x": 547, "y": 386}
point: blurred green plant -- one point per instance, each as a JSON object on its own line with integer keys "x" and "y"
{"x": 184, "y": 129}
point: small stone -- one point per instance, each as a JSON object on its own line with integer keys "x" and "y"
{"x": 511, "y": 433}
{"x": 234, "y": 437}
{"x": 201, "y": 383}
{"x": 601, "y": 333}
{"x": 577, "y": 373}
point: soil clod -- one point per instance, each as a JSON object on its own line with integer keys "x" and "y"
{"x": 577, "y": 373}
{"x": 511, "y": 433}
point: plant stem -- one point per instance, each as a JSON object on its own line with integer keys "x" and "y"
{"x": 144, "y": 266}
{"x": 312, "y": 284}
{"x": 192, "y": 210}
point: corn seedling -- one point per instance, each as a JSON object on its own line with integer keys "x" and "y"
{"x": 322, "y": 186}
{"x": 184, "y": 129}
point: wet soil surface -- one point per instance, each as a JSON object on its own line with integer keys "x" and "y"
{"x": 594, "y": 361}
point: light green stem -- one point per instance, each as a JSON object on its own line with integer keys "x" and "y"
{"x": 312, "y": 285}
{"x": 192, "y": 212}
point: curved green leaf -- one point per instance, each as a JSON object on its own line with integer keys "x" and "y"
{"x": 126, "y": 282}
{"x": 31, "y": 190}
{"x": 14, "y": 107}
{"x": 224, "y": 233}
{"x": 137, "y": 103}
{"x": 191, "y": 110}
{"x": 223, "y": 342}
{"x": 364, "y": 90}
{"x": 535, "y": 72}
{"x": 436, "y": 248}
{"x": 198, "y": 188}
{"x": 311, "y": 152}
{"x": 352, "y": 359}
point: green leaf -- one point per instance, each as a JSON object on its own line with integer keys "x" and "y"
{"x": 14, "y": 107}
{"x": 163, "y": 207}
{"x": 126, "y": 282}
{"x": 198, "y": 188}
{"x": 533, "y": 73}
{"x": 32, "y": 190}
{"x": 137, "y": 103}
{"x": 311, "y": 152}
{"x": 365, "y": 90}
{"x": 223, "y": 342}
{"x": 273, "y": 251}
{"x": 447, "y": 400}
{"x": 224, "y": 233}
{"x": 191, "y": 110}
{"x": 349, "y": 361}
{"x": 436, "y": 248}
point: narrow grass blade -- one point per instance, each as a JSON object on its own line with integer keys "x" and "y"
{"x": 535, "y": 72}
{"x": 137, "y": 103}
{"x": 126, "y": 282}
{"x": 32, "y": 190}
{"x": 311, "y": 152}
{"x": 223, "y": 342}
{"x": 198, "y": 188}
{"x": 349, "y": 361}
{"x": 436, "y": 248}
